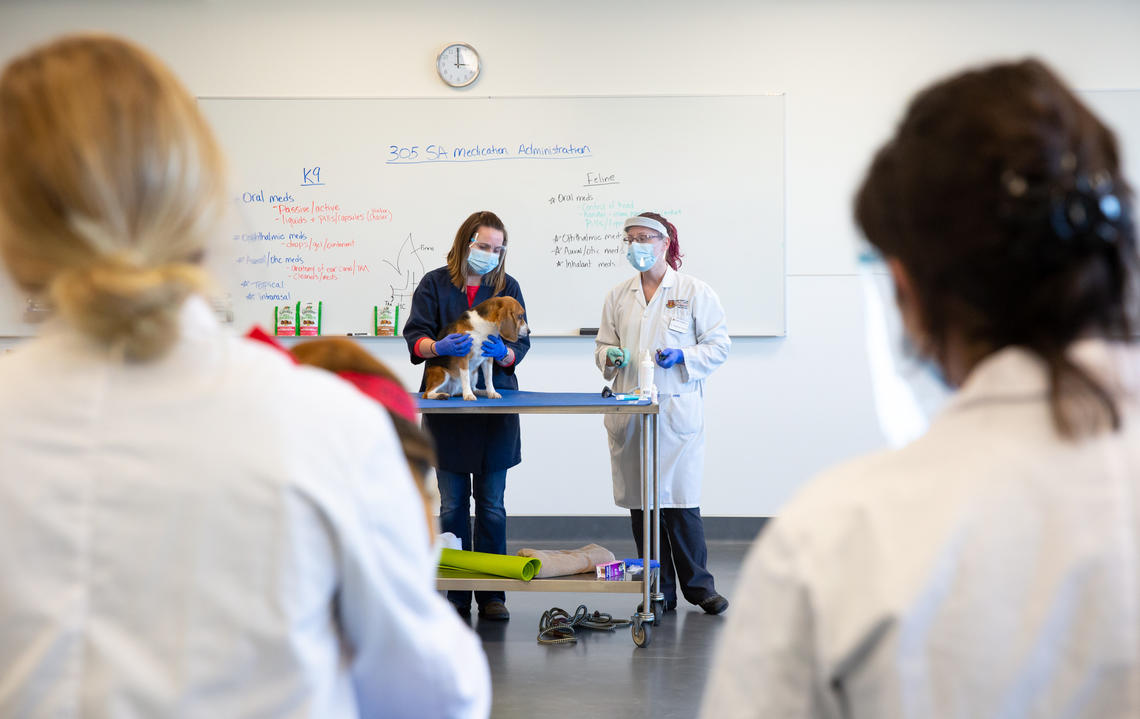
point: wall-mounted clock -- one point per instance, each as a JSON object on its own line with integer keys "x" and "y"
{"x": 458, "y": 64}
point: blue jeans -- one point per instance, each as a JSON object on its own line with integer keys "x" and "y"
{"x": 455, "y": 490}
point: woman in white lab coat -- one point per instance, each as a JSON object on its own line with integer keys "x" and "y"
{"x": 679, "y": 321}
{"x": 190, "y": 525}
{"x": 990, "y": 568}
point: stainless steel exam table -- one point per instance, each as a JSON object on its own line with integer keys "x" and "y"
{"x": 516, "y": 402}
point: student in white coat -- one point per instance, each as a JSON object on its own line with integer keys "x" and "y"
{"x": 190, "y": 525}
{"x": 680, "y": 321}
{"x": 991, "y": 567}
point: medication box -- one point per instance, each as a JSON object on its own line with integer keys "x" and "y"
{"x": 285, "y": 320}
{"x": 611, "y": 570}
{"x": 309, "y": 319}
{"x": 386, "y": 320}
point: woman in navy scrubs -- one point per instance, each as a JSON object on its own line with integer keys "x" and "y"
{"x": 475, "y": 451}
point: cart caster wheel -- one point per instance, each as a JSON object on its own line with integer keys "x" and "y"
{"x": 658, "y": 608}
{"x": 642, "y": 633}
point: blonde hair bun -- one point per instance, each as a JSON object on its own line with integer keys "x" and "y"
{"x": 134, "y": 307}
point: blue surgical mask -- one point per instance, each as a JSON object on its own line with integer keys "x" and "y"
{"x": 641, "y": 256}
{"x": 481, "y": 262}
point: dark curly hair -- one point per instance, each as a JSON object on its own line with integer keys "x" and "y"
{"x": 1001, "y": 195}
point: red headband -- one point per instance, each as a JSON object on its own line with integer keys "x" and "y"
{"x": 388, "y": 393}
{"x": 385, "y": 391}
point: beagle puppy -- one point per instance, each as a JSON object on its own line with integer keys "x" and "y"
{"x": 446, "y": 376}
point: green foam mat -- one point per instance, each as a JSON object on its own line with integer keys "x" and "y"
{"x": 499, "y": 565}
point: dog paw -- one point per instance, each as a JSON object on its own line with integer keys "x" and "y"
{"x": 469, "y": 397}
{"x": 494, "y": 395}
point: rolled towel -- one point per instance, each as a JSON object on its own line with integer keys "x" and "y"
{"x": 560, "y": 562}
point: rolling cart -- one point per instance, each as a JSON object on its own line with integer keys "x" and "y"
{"x": 652, "y": 605}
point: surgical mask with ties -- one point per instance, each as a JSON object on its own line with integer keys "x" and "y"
{"x": 641, "y": 256}
{"x": 481, "y": 262}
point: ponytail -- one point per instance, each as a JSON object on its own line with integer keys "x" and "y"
{"x": 122, "y": 305}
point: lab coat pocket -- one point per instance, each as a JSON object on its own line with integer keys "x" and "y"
{"x": 683, "y": 414}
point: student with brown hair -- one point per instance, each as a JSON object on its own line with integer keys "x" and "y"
{"x": 190, "y": 525}
{"x": 475, "y": 451}
{"x": 352, "y": 363}
{"x": 990, "y": 568}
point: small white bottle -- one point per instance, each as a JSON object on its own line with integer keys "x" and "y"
{"x": 645, "y": 374}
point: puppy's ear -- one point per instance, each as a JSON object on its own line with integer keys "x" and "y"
{"x": 509, "y": 327}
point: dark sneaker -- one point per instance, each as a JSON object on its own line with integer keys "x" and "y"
{"x": 715, "y": 604}
{"x": 495, "y": 610}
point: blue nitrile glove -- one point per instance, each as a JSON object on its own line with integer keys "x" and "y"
{"x": 670, "y": 356}
{"x": 617, "y": 356}
{"x": 494, "y": 348}
{"x": 456, "y": 344}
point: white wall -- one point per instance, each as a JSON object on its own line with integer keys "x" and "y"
{"x": 781, "y": 409}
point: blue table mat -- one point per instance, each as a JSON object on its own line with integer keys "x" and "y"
{"x": 518, "y": 398}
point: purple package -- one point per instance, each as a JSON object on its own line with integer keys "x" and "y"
{"x": 610, "y": 570}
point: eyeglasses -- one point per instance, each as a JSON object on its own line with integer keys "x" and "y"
{"x": 643, "y": 239}
{"x": 489, "y": 248}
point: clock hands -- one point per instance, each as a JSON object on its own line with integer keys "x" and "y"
{"x": 457, "y": 71}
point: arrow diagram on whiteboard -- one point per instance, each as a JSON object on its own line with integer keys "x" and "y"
{"x": 408, "y": 250}
{"x": 410, "y": 267}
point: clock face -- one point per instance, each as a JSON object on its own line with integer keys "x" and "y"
{"x": 458, "y": 64}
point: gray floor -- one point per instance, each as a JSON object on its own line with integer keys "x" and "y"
{"x": 604, "y": 674}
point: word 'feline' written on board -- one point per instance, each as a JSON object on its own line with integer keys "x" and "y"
{"x": 419, "y": 154}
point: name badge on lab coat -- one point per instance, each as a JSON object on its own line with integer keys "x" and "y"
{"x": 679, "y": 324}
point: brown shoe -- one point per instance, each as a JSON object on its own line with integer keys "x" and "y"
{"x": 494, "y": 610}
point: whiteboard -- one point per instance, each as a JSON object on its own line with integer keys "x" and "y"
{"x": 350, "y": 201}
